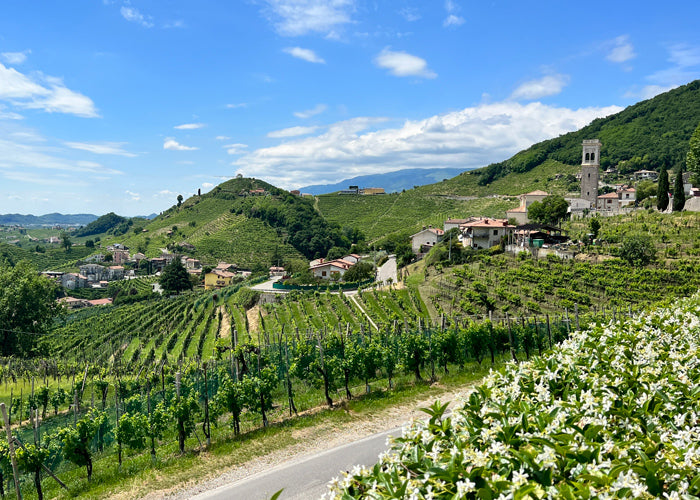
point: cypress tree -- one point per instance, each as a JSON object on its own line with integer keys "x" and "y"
{"x": 678, "y": 192}
{"x": 662, "y": 190}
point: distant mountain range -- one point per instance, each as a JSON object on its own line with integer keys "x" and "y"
{"x": 47, "y": 220}
{"x": 392, "y": 182}
{"x": 55, "y": 219}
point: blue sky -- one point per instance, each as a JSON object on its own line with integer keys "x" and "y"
{"x": 120, "y": 105}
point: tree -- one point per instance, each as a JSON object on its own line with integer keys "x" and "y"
{"x": 89, "y": 244}
{"x": 175, "y": 277}
{"x": 65, "y": 241}
{"x": 645, "y": 189}
{"x": 595, "y": 226}
{"x": 678, "y": 192}
{"x": 359, "y": 272}
{"x": 638, "y": 250}
{"x": 27, "y": 308}
{"x": 550, "y": 210}
{"x": 179, "y": 200}
{"x": 662, "y": 190}
{"x": 692, "y": 158}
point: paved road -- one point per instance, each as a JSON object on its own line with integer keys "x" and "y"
{"x": 305, "y": 478}
{"x": 388, "y": 271}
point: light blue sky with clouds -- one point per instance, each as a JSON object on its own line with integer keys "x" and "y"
{"x": 121, "y": 105}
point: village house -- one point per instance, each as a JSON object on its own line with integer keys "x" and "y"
{"x": 332, "y": 269}
{"x": 115, "y": 273}
{"x": 217, "y": 278}
{"x": 485, "y": 232}
{"x": 72, "y": 303}
{"x": 276, "y": 271}
{"x": 537, "y": 235}
{"x": 641, "y": 175}
{"x": 527, "y": 199}
{"x": 424, "y": 240}
{"x": 454, "y": 223}
{"x": 93, "y": 272}
{"x": 191, "y": 264}
{"x": 73, "y": 281}
{"x": 120, "y": 256}
{"x": 615, "y": 201}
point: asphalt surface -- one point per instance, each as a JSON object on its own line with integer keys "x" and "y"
{"x": 305, "y": 478}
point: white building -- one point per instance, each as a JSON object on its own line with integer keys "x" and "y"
{"x": 424, "y": 240}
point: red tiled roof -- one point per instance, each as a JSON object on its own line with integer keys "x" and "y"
{"x": 609, "y": 196}
{"x": 537, "y": 192}
{"x": 486, "y": 222}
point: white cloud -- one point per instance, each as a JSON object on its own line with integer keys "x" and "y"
{"x": 238, "y": 105}
{"x": 165, "y": 193}
{"x": 684, "y": 60}
{"x": 133, "y": 15}
{"x": 684, "y": 55}
{"x": 15, "y": 57}
{"x": 305, "y": 54}
{"x": 190, "y": 126}
{"x": 236, "y": 149}
{"x": 222, "y": 138}
{"x": 133, "y": 196}
{"x": 403, "y": 64}
{"x": 51, "y": 95}
{"x": 316, "y": 110}
{"x": 452, "y": 18}
{"x": 292, "y": 132}
{"x": 472, "y": 137}
{"x": 174, "y": 24}
{"x": 410, "y": 14}
{"x": 102, "y": 148}
{"x": 621, "y": 50}
{"x": 541, "y": 87}
{"x": 207, "y": 185}
{"x": 173, "y": 145}
{"x": 301, "y": 17}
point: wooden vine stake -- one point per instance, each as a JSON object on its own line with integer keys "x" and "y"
{"x": 11, "y": 444}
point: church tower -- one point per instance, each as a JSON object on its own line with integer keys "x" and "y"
{"x": 590, "y": 170}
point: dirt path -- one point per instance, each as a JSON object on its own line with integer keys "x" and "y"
{"x": 253, "y": 319}
{"x": 225, "y": 330}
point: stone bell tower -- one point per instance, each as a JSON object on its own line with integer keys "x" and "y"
{"x": 590, "y": 170}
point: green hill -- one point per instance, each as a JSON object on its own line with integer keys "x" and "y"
{"x": 243, "y": 221}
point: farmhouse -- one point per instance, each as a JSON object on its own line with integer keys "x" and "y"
{"x": 332, "y": 269}
{"x": 217, "y": 278}
{"x": 527, "y": 199}
{"x": 425, "y": 239}
{"x": 485, "y": 232}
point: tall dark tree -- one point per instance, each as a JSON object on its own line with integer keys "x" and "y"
{"x": 179, "y": 200}
{"x": 175, "y": 278}
{"x": 65, "y": 241}
{"x": 662, "y": 190}
{"x": 692, "y": 158}
{"x": 27, "y": 307}
{"x": 678, "y": 192}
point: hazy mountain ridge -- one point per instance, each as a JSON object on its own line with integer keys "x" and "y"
{"x": 47, "y": 219}
{"x": 392, "y": 182}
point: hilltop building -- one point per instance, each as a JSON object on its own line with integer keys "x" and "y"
{"x": 527, "y": 199}
{"x": 590, "y": 170}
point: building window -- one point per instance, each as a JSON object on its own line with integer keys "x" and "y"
{"x": 589, "y": 175}
{"x": 588, "y": 156}
{"x": 495, "y": 232}
{"x": 323, "y": 273}
{"x": 592, "y": 156}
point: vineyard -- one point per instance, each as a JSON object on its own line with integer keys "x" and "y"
{"x": 525, "y": 286}
{"x": 146, "y": 393}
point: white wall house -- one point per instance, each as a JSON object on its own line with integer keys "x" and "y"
{"x": 423, "y": 240}
{"x": 485, "y": 232}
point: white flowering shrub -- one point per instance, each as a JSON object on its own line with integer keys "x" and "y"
{"x": 613, "y": 413}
